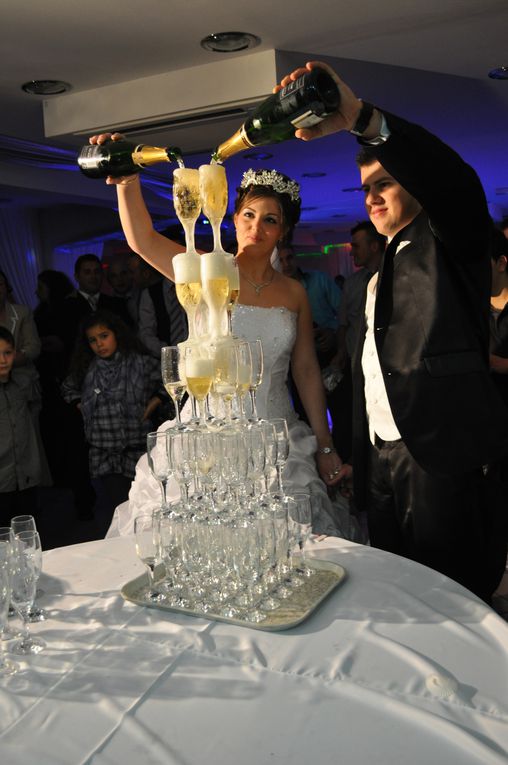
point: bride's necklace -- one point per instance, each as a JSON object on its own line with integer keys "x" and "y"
{"x": 259, "y": 287}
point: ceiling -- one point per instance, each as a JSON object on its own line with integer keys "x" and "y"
{"x": 426, "y": 60}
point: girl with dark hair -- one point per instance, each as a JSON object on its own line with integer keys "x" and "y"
{"x": 273, "y": 308}
{"x": 115, "y": 384}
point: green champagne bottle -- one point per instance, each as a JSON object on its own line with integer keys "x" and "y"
{"x": 117, "y": 158}
{"x": 301, "y": 104}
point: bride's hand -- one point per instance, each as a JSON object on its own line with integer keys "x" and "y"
{"x": 97, "y": 140}
{"x": 331, "y": 469}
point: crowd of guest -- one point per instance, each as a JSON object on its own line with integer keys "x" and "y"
{"x": 79, "y": 389}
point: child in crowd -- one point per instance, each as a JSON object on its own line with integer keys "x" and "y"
{"x": 116, "y": 385}
{"x": 20, "y": 466}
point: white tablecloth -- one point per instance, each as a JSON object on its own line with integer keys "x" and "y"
{"x": 399, "y": 665}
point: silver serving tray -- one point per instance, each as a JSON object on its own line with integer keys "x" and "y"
{"x": 293, "y": 610}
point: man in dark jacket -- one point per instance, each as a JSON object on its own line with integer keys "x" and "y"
{"x": 427, "y": 419}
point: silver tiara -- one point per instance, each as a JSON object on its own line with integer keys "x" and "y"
{"x": 273, "y": 179}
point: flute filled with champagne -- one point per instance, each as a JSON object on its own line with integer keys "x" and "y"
{"x": 187, "y": 269}
{"x": 214, "y": 198}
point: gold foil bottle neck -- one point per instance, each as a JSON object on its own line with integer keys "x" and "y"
{"x": 144, "y": 156}
{"x": 237, "y": 142}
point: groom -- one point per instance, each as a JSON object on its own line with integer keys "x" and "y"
{"x": 427, "y": 418}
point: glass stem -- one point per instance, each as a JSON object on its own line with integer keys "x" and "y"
{"x": 177, "y": 411}
{"x": 217, "y": 246}
{"x": 194, "y": 407}
{"x": 252, "y": 394}
{"x": 188, "y": 227}
{"x": 278, "y": 468}
{"x": 191, "y": 316}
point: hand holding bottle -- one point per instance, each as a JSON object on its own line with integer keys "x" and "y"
{"x": 98, "y": 140}
{"x": 346, "y": 115}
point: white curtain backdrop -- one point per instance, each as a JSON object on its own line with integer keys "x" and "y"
{"x": 20, "y": 253}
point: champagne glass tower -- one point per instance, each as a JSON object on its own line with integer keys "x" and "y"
{"x": 187, "y": 265}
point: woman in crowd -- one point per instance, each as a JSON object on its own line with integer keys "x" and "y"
{"x": 271, "y": 307}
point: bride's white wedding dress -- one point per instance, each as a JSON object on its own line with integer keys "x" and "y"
{"x": 276, "y": 328}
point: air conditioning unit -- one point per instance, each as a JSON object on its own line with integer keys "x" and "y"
{"x": 186, "y": 99}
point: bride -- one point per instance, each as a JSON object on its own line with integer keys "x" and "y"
{"x": 271, "y": 307}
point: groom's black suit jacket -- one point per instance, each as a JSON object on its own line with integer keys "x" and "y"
{"x": 432, "y": 315}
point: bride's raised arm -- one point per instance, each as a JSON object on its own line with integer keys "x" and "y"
{"x": 136, "y": 222}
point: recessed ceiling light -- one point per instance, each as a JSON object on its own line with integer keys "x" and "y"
{"x": 258, "y": 155}
{"x": 313, "y": 175}
{"x": 499, "y": 73}
{"x": 501, "y": 191}
{"x": 352, "y": 189}
{"x": 229, "y": 42}
{"x": 308, "y": 208}
{"x": 46, "y": 87}
{"x": 339, "y": 215}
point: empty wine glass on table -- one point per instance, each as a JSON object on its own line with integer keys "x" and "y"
{"x": 23, "y": 523}
{"x": 282, "y": 443}
{"x": 256, "y": 354}
{"x": 32, "y": 542}
{"x": 158, "y": 461}
{"x": 23, "y": 583}
{"x": 146, "y": 531}
{"x": 172, "y": 374}
{"x": 181, "y": 458}
{"x": 300, "y": 528}
{"x": 6, "y": 667}
{"x": 244, "y": 376}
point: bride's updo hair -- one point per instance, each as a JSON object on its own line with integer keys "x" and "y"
{"x": 274, "y": 185}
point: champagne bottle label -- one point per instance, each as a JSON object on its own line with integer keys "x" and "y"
{"x": 306, "y": 120}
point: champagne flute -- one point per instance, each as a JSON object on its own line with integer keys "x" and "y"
{"x": 181, "y": 456}
{"x": 7, "y": 537}
{"x": 158, "y": 461}
{"x": 146, "y": 532}
{"x": 234, "y": 289}
{"x": 6, "y": 667}
{"x": 23, "y": 582}
{"x": 171, "y": 370}
{"x": 187, "y": 202}
{"x": 23, "y": 523}
{"x": 199, "y": 372}
{"x": 187, "y": 270}
{"x": 282, "y": 442}
{"x": 244, "y": 376}
{"x": 300, "y": 524}
{"x": 215, "y": 290}
{"x": 214, "y": 198}
{"x": 256, "y": 354}
{"x": 32, "y": 542}
{"x": 225, "y": 379}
